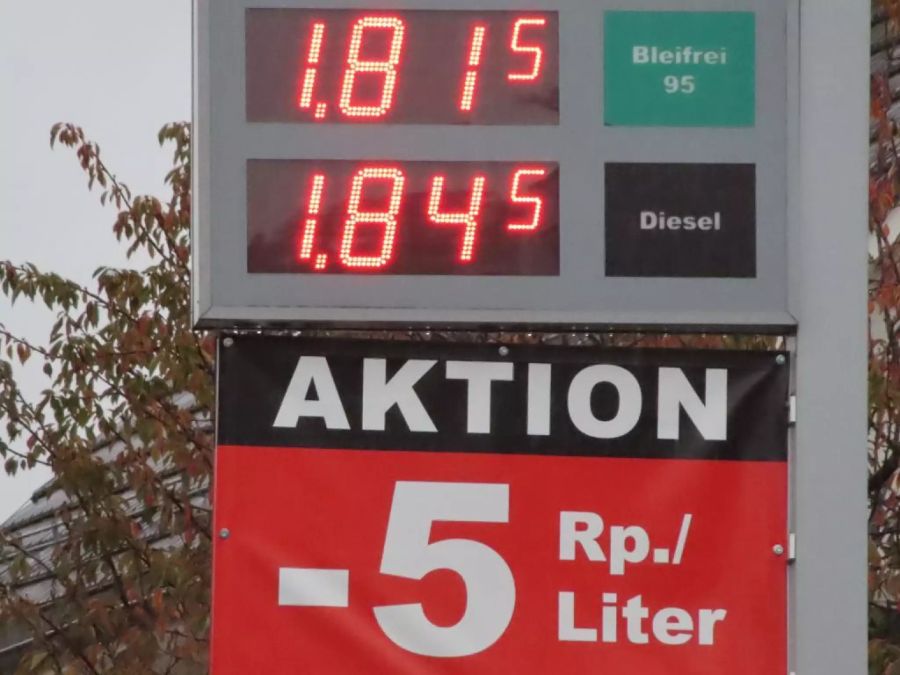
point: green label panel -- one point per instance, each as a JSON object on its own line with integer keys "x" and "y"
{"x": 680, "y": 69}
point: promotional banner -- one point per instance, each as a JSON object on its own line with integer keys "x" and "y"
{"x": 415, "y": 508}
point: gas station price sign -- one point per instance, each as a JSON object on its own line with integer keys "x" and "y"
{"x": 561, "y": 162}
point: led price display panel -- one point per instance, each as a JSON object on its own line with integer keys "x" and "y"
{"x": 403, "y": 217}
{"x": 402, "y": 67}
{"x": 421, "y": 162}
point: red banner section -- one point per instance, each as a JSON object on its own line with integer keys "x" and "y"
{"x": 345, "y": 562}
{"x": 406, "y": 509}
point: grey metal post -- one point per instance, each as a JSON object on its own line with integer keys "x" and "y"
{"x": 829, "y": 301}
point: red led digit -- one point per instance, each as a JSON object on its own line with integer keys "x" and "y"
{"x": 386, "y": 218}
{"x": 308, "y": 236}
{"x": 537, "y": 52}
{"x": 309, "y": 76}
{"x": 468, "y": 218}
{"x": 475, "y": 47}
{"x": 537, "y": 203}
{"x": 388, "y": 68}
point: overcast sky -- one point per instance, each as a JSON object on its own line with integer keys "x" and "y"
{"x": 121, "y": 69}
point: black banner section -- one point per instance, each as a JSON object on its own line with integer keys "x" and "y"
{"x": 640, "y": 403}
{"x": 681, "y": 220}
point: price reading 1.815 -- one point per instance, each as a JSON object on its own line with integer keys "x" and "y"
{"x": 402, "y": 67}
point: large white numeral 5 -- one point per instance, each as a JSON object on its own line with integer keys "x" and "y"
{"x": 490, "y": 588}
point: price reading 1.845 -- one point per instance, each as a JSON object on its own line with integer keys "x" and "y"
{"x": 391, "y": 217}
{"x": 402, "y": 67}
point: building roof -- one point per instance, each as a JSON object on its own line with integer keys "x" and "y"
{"x": 38, "y": 529}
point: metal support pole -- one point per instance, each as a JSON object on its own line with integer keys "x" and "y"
{"x": 829, "y": 301}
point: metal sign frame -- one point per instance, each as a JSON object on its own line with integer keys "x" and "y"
{"x": 826, "y": 299}
{"x": 226, "y": 295}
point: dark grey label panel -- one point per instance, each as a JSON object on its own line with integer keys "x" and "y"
{"x": 681, "y": 220}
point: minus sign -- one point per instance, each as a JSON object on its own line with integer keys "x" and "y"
{"x": 305, "y": 587}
